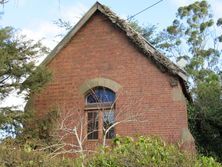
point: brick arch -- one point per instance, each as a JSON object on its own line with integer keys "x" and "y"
{"x": 105, "y": 82}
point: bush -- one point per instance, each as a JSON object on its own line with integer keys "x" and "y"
{"x": 14, "y": 156}
{"x": 146, "y": 152}
{"x": 125, "y": 152}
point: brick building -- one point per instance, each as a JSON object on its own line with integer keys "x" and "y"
{"x": 105, "y": 73}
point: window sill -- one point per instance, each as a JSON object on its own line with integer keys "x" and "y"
{"x": 93, "y": 140}
{"x": 97, "y": 140}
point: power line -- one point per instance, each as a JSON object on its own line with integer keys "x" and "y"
{"x": 144, "y": 9}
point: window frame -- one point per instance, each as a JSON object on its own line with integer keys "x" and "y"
{"x": 100, "y": 108}
{"x": 103, "y": 122}
{"x": 96, "y": 125}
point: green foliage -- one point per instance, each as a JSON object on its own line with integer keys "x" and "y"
{"x": 205, "y": 118}
{"x": 193, "y": 36}
{"x": 195, "y": 29}
{"x": 33, "y": 144}
{"x": 24, "y": 156}
{"x": 34, "y": 83}
{"x": 18, "y": 58}
{"x": 206, "y": 162}
{"x": 145, "y": 152}
{"x": 124, "y": 152}
{"x": 10, "y": 121}
{"x": 38, "y": 131}
{"x": 17, "y": 61}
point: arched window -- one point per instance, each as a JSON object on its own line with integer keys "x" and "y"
{"x": 100, "y": 106}
{"x": 100, "y": 95}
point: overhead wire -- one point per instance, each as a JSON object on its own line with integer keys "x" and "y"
{"x": 131, "y": 17}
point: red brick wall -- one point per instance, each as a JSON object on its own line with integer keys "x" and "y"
{"x": 100, "y": 49}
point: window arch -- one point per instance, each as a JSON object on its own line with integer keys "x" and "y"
{"x": 100, "y": 107}
{"x": 95, "y": 82}
{"x": 100, "y": 95}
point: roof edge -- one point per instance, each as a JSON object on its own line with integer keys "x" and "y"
{"x": 71, "y": 33}
{"x": 139, "y": 40}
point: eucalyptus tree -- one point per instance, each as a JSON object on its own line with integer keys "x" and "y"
{"x": 194, "y": 36}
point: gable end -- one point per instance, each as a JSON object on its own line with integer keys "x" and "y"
{"x": 162, "y": 62}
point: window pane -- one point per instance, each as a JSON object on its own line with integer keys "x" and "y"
{"x": 92, "y": 125}
{"x": 100, "y": 95}
{"x": 109, "y": 120}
